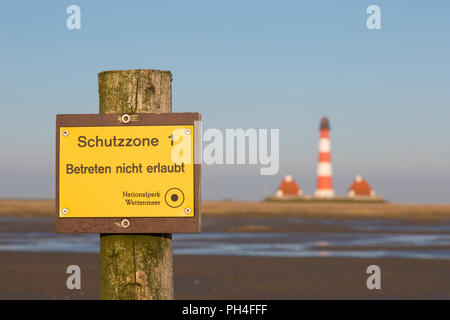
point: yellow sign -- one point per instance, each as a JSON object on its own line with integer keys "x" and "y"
{"x": 126, "y": 171}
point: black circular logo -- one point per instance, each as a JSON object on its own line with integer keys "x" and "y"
{"x": 174, "y": 197}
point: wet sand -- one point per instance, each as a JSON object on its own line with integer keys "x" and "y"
{"x": 42, "y": 276}
{"x": 252, "y": 223}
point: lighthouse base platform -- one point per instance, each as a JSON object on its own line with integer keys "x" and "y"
{"x": 310, "y": 198}
{"x": 328, "y": 193}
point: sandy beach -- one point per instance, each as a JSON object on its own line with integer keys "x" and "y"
{"x": 42, "y": 276}
{"x": 325, "y": 275}
{"x": 46, "y": 208}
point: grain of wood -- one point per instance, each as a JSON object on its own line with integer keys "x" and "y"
{"x": 135, "y": 91}
{"x": 136, "y": 267}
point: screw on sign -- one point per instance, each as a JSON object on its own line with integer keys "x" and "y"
{"x": 115, "y": 175}
{"x": 126, "y": 118}
{"x": 125, "y": 223}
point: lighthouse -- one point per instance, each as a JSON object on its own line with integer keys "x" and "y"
{"x": 324, "y": 172}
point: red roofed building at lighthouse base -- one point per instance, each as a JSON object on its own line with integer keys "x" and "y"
{"x": 360, "y": 188}
{"x": 288, "y": 188}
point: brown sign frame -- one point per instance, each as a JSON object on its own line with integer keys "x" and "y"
{"x": 135, "y": 225}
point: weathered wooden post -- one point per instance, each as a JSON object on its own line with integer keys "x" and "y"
{"x": 136, "y": 266}
{"x": 131, "y": 174}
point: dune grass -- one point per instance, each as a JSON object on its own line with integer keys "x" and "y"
{"x": 46, "y": 208}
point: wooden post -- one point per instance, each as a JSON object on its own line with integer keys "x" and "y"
{"x": 135, "y": 267}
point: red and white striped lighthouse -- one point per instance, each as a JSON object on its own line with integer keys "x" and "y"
{"x": 324, "y": 171}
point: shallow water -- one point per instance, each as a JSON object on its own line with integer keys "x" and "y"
{"x": 363, "y": 239}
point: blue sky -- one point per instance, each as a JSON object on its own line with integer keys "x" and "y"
{"x": 244, "y": 64}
